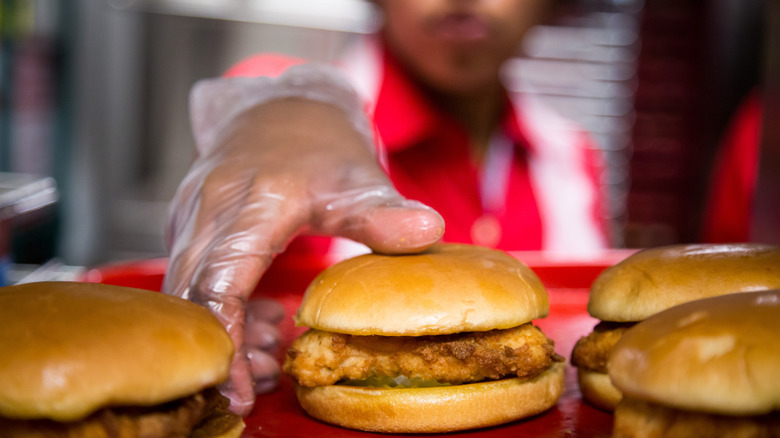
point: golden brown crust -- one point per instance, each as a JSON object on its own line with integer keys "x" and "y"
{"x": 592, "y": 352}
{"x": 655, "y": 279}
{"x": 446, "y": 289}
{"x": 68, "y": 349}
{"x": 434, "y": 410}
{"x": 320, "y": 358}
{"x": 637, "y": 419}
{"x": 203, "y": 415}
{"x": 718, "y": 355}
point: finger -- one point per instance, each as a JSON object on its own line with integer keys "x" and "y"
{"x": 185, "y": 201}
{"x": 193, "y": 223}
{"x": 271, "y": 213}
{"x": 223, "y": 286}
{"x": 265, "y": 309}
{"x": 184, "y": 254}
{"x": 239, "y": 387}
{"x": 411, "y": 227}
{"x": 386, "y": 222}
{"x": 231, "y": 269}
{"x": 182, "y": 264}
{"x": 262, "y": 335}
{"x": 265, "y": 370}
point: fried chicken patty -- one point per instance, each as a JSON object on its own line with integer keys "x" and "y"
{"x": 319, "y": 358}
{"x": 592, "y": 351}
{"x": 174, "y": 419}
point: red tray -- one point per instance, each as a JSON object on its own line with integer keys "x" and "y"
{"x": 278, "y": 414}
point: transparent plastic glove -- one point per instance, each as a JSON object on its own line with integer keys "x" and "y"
{"x": 267, "y": 173}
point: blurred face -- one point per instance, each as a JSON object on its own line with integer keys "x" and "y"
{"x": 458, "y": 46}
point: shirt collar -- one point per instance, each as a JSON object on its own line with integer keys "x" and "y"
{"x": 513, "y": 129}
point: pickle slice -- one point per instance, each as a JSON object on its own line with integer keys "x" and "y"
{"x": 394, "y": 382}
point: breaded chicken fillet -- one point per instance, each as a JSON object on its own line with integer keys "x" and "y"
{"x": 321, "y": 358}
{"x": 592, "y": 352}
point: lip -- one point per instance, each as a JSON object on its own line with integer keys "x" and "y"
{"x": 460, "y": 27}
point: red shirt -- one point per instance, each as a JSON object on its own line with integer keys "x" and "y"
{"x": 428, "y": 159}
{"x": 732, "y": 186}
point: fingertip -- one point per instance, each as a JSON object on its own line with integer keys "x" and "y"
{"x": 241, "y": 407}
{"x": 265, "y": 370}
{"x": 265, "y": 386}
{"x": 410, "y": 228}
{"x": 238, "y": 388}
{"x": 242, "y": 398}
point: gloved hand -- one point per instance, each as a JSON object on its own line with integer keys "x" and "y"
{"x": 285, "y": 166}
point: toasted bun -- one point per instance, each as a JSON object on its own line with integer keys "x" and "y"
{"x": 655, "y": 279}
{"x": 718, "y": 355}
{"x": 597, "y": 389}
{"x": 233, "y": 432}
{"x": 433, "y": 410}
{"x": 638, "y": 419}
{"x": 229, "y": 426}
{"x": 447, "y": 289}
{"x": 68, "y": 349}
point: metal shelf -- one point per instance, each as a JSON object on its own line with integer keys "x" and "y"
{"x": 351, "y": 16}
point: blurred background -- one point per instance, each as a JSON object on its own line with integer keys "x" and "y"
{"x": 94, "y": 130}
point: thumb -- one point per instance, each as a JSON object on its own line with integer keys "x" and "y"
{"x": 397, "y": 227}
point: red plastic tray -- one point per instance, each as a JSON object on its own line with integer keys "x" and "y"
{"x": 278, "y": 414}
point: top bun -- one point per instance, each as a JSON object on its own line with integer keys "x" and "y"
{"x": 718, "y": 355}
{"x": 447, "y": 289}
{"x": 68, "y": 349}
{"x": 655, "y": 279}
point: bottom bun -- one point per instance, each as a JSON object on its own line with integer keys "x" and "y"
{"x": 233, "y": 431}
{"x": 433, "y": 410}
{"x": 597, "y": 389}
{"x": 639, "y": 419}
{"x": 220, "y": 421}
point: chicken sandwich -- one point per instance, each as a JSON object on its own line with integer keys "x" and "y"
{"x": 656, "y": 279}
{"x": 85, "y": 360}
{"x": 431, "y": 342}
{"x": 706, "y": 368}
